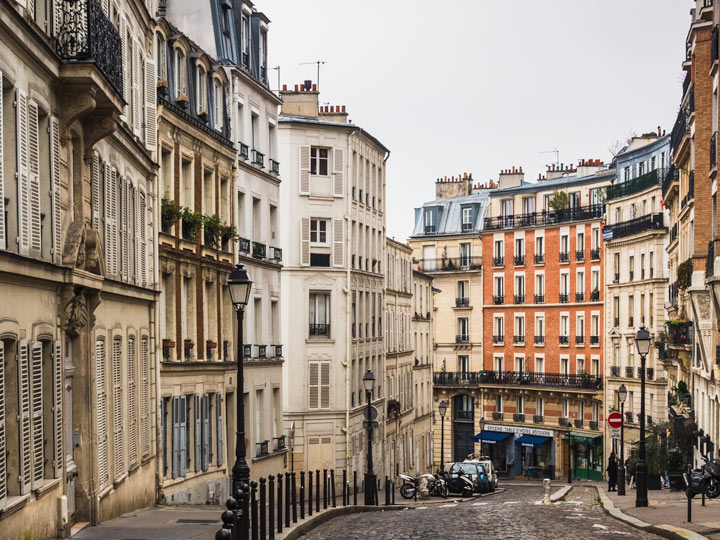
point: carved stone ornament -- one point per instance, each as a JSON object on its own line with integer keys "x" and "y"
{"x": 703, "y": 303}
{"x": 79, "y": 306}
{"x": 83, "y": 249}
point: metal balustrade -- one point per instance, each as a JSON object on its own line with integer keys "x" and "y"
{"x": 516, "y": 378}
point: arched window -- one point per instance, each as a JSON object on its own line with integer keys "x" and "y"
{"x": 161, "y": 59}
{"x": 218, "y": 103}
{"x": 201, "y": 90}
{"x": 180, "y": 73}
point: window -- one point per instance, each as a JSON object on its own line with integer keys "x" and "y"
{"x": 540, "y": 407}
{"x": 539, "y": 288}
{"x": 595, "y": 328}
{"x": 564, "y": 284}
{"x": 179, "y": 437}
{"x": 463, "y": 289}
{"x": 320, "y": 314}
{"x": 319, "y": 385}
{"x": 499, "y": 286}
{"x": 465, "y": 256}
{"x": 498, "y": 251}
{"x": 564, "y": 326}
{"x": 429, "y": 220}
{"x": 580, "y": 282}
{"x": 540, "y": 327}
{"x": 467, "y": 218}
{"x": 539, "y": 246}
{"x": 499, "y": 329}
{"x": 463, "y": 329}
{"x": 498, "y": 360}
{"x": 520, "y": 289}
{"x": 464, "y": 365}
{"x": 319, "y": 161}
{"x": 218, "y": 104}
{"x": 580, "y": 330}
{"x": 245, "y": 23}
{"x": 565, "y": 408}
{"x": 519, "y": 247}
{"x": 180, "y": 75}
{"x": 519, "y": 328}
{"x": 580, "y": 242}
{"x": 201, "y": 90}
{"x": 539, "y": 364}
{"x": 498, "y": 403}
{"x": 528, "y": 205}
{"x": 564, "y": 244}
{"x": 520, "y": 405}
{"x": 574, "y": 199}
{"x": 318, "y": 231}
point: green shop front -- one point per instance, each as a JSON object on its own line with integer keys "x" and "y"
{"x": 586, "y": 455}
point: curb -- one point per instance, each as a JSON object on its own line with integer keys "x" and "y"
{"x": 560, "y": 494}
{"x": 310, "y": 523}
{"x": 667, "y": 531}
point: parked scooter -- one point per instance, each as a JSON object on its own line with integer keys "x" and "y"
{"x": 426, "y": 485}
{"x": 459, "y": 482}
{"x": 704, "y": 479}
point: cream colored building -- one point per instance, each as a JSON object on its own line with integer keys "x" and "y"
{"x": 636, "y": 237}
{"x": 408, "y": 370}
{"x": 333, "y": 227}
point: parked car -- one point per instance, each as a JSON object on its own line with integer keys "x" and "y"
{"x": 489, "y": 470}
{"x": 474, "y": 471}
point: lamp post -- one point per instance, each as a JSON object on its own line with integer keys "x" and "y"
{"x": 442, "y": 407}
{"x": 239, "y": 285}
{"x": 642, "y": 342}
{"x": 622, "y": 394}
{"x": 368, "y": 383}
{"x": 482, "y": 433}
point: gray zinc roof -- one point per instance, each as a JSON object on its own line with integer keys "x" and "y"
{"x": 451, "y": 214}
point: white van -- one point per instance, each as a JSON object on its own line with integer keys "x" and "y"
{"x": 489, "y": 469}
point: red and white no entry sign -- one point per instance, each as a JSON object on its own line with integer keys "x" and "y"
{"x": 615, "y": 419}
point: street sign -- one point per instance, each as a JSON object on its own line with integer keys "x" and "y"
{"x": 372, "y": 425}
{"x": 615, "y": 433}
{"x": 614, "y": 419}
{"x": 371, "y": 412}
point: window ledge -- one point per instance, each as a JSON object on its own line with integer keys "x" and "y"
{"x": 319, "y": 340}
{"x": 47, "y": 487}
{"x": 118, "y": 481}
{"x": 13, "y": 504}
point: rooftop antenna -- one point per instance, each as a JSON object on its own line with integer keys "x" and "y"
{"x": 557, "y": 155}
{"x": 318, "y": 62}
{"x": 278, "y": 70}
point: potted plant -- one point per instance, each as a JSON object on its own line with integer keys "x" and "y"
{"x": 209, "y": 344}
{"x": 170, "y": 213}
{"x": 182, "y": 101}
{"x": 203, "y": 115}
{"x": 162, "y": 88}
{"x": 393, "y": 408}
{"x": 168, "y": 344}
{"x": 212, "y": 230}
{"x": 227, "y": 233}
{"x": 684, "y": 274}
{"x": 191, "y": 222}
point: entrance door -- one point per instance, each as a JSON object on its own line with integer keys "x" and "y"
{"x": 463, "y": 428}
{"x": 71, "y": 467}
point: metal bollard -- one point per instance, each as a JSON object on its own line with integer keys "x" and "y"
{"x": 689, "y": 495}
{"x": 376, "y": 494}
{"x": 287, "y": 499}
{"x": 245, "y": 517}
{"x": 294, "y": 498}
{"x": 317, "y": 490}
{"x": 703, "y": 497}
{"x": 302, "y": 494}
{"x": 387, "y": 491}
{"x": 228, "y": 519}
{"x": 280, "y": 503}
{"x": 253, "y": 510}
{"x": 345, "y": 487}
{"x": 393, "y": 491}
{"x": 546, "y": 489}
{"x": 310, "y": 493}
{"x": 271, "y": 507}
{"x": 325, "y": 490}
{"x": 332, "y": 487}
{"x": 262, "y": 510}
{"x": 355, "y": 488}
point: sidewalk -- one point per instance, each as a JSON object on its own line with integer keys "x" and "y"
{"x": 667, "y": 510}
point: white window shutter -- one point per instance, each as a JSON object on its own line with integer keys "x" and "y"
{"x": 131, "y": 231}
{"x": 325, "y": 385}
{"x": 135, "y": 74}
{"x": 314, "y": 385}
{"x": 123, "y": 192}
{"x": 55, "y": 190}
{"x": 118, "y": 445}
{"x": 106, "y": 7}
{"x": 108, "y": 225}
{"x": 144, "y": 402}
{"x": 24, "y": 421}
{"x": 338, "y": 172}
{"x": 176, "y": 437}
{"x": 206, "y": 431}
{"x": 100, "y": 390}
{"x": 132, "y": 412}
{"x": 304, "y": 241}
{"x": 3, "y": 431}
{"x": 36, "y": 407}
{"x": 198, "y": 432}
{"x": 23, "y": 209}
{"x": 142, "y": 239}
{"x": 3, "y": 232}
{"x": 338, "y": 242}
{"x": 219, "y": 428}
{"x": 95, "y": 191}
{"x": 183, "y": 420}
{"x": 125, "y": 65}
{"x": 115, "y": 202}
{"x": 150, "y": 105}
{"x": 304, "y": 170}
{"x": 34, "y": 178}
{"x": 57, "y": 409}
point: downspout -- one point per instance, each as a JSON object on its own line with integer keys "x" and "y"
{"x": 383, "y": 259}
{"x": 348, "y": 306}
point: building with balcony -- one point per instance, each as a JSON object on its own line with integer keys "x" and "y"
{"x": 636, "y": 238}
{"x": 408, "y": 364}
{"x": 543, "y": 269}
{"x": 333, "y": 235}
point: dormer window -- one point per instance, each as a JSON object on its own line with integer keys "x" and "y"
{"x": 201, "y": 90}
{"x": 180, "y": 73}
{"x": 245, "y": 28}
{"x": 218, "y": 102}
{"x": 429, "y": 221}
{"x": 467, "y": 215}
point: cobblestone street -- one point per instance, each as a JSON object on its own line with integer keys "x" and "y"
{"x": 511, "y": 514}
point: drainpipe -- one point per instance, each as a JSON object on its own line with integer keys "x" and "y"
{"x": 348, "y": 305}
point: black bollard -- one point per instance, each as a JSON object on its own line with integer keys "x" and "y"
{"x": 376, "y": 495}
{"x": 302, "y": 494}
{"x": 253, "y": 510}
{"x": 387, "y": 491}
{"x": 294, "y": 497}
{"x": 703, "y": 497}
{"x": 317, "y": 490}
{"x": 245, "y": 515}
{"x": 228, "y": 519}
{"x": 280, "y": 503}
{"x": 344, "y": 487}
{"x": 355, "y": 488}
{"x": 689, "y": 494}
{"x": 393, "y": 491}
{"x": 310, "y": 493}
{"x": 262, "y": 510}
{"x": 325, "y": 494}
{"x": 332, "y": 487}
{"x": 271, "y": 507}
{"x": 287, "y": 499}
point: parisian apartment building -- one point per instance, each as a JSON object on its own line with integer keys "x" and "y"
{"x": 333, "y": 223}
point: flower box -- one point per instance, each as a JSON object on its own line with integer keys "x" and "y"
{"x": 188, "y": 344}
{"x": 211, "y": 344}
{"x": 168, "y": 344}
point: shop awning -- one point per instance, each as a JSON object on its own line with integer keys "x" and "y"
{"x": 491, "y": 437}
{"x": 531, "y": 441}
{"x": 582, "y": 437}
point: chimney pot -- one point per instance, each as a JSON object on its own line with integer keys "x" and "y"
{"x": 296, "y": 87}
{"x": 284, "y": 87}
{"x": 343, "y": 108}
{"x": 314, "y": 87}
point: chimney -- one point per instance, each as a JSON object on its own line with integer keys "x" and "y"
{"x": 334, "y": 113}
{"x": 302, "y": 101}
{"x": 588, "y": 167}
{"x": 510, "y": 177}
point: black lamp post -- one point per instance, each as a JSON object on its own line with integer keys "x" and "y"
{"x": 240, "y": 284}
{"x": 482, "y": 433}
{"x": 642, "y": 342}
{"x": 442, "y": 407}
{"x": 368, "y": 383}
{"x": 622, "y": 394}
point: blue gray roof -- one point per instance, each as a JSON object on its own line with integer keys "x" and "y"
{"x": 555, "y": 183}
{"x": 450, "y": 214}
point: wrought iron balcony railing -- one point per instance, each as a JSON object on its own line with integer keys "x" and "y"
{"x": 681, "y": 127}
{"x": 519, "y": 299}
{"x": 450, "y": 264}
{"x": 594, "y": 340}
{"x": 564, "y": 421}
{"x": 629, "y": 372}
{"x": 671, "y": 177}
{"x": 594, "y": 425}
{"x": 679, "y": 333}
{"x": 579, "y": 423}
{"x": 519, "y": 260}
{"x": 538, "y": 419}
{"x": 258, "y": 158}
{"x": 514, "y": 221}
{"x": 498, "y": 299}
{"x": 462, "y": 301}
{"x": 564, "y": 256}
{"x": 498, "y": 261}
{"x": 579, "y": 297}
{"x": 258, "y": 250}
{"x": 516, "y": 378}
{"x": 595, "y": 295}
{"x": 319, "y": 329}
{"x": 539, "y": 298}
{"x": 635, "y": 226}
{"x": 564, "y": 340}
{"x": 580, "y": 255}
{"x": 244, "y": 245}
{"x": 614, "y": 371}
{"x": 497, "y": 416}
{"x": 539, "y": 258}
{"x": 274, "y": 167}
{"x": 579, "y": 340}
{"x": 87, "y": 35}
{"x": 564, "y": 298}
{"x": 519, "y": 417}
{"x": 243, "y": 151}
{"x": 640, "y": 183}
{"x": 595, "y": 254}
{"x": 517, "y": 340}
{"x": 462, "y": 338}
{"x": 499, "y": 339}
{"x": 539, "y": 340}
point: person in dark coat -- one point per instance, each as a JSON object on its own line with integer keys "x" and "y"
{"x": 612, "y": 470}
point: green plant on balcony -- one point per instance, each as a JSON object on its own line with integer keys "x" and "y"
{"x": 191, "y": 222}
{"x": 684, "y": 274}
{"x": 681, "y": 393}
{"x": 227, "y": 233}
{"x": 212, "y": 230}
{"x": 170, "y": 213}
{"x": 393, "y": 408}
{"x": 559, "y": 200}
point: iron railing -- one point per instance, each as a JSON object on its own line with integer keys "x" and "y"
{"x": 498, "y": 299}
{"x": 258, "y": 250}
{"x": 258, "y": 158}
{"x": 595, "y": 295}
{"x": 450, "y": 264}
{"x": 243, "y": 151}
{"x": 319, "y": 329}
{"x": 519, "y": 299}
{"x": 498, "y": 339}
{"x": 672, "y": 176}
{"x": 274, "y": 167}
{"x": 462, "y": 338}
{"x": 518, "y": 339}
{"x": 580, "y": 340}
{"x": 533, "y": 219}
{"x": 636, "y": 226}
{"x": 579, "y": 297}
{"x": 87, "y": 35}
{"x": 498, "y": 261}
{"x": 578, "y": 423}
{"x": 564, "y": 298}
{"x": 713, "y": 46}
{"x": 713, "y": 150}
{"x": 681, "y": 127}
{"x": 497, "y": 415}
{"x": 594, "y": 340}
{"x": 710, "y": 259}
{"x": 690, "y": 195}
{"x": 519, "y": 260}
{"x": 580, "y": 255}
{"x": 462, "y": 301}
{"x": 519, "y": 417}
{"x": 564, "y": 421}
{"x": 564, "y": 256}
{"x": 518, "y": 378}
{"x": 629, "y": 372}
{"x": 564, "y": 340}
{"x": 539, "y": 258}
{"x": 539, "y": 298}
{"x": 641, "y": 183}
{"x": 614, "y": 371}
{"x": 678, "y": 333}
{"x": 595, "y": 254}
{"x": 538, "y": 419}
{"x": 594, "y": 425}
{"x": 539, "y": 340}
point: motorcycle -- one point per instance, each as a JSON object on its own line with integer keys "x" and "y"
{"x": 705, "y": 479}
{"x": 459, "y": 482}
{"x": 425, "y": 485}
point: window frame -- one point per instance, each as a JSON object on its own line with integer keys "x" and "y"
{"x": 317, "y": 160}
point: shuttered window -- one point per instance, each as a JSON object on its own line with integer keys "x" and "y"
{"x": 23, "y": 185}
{"x": 57, "y": 409}
{"x": 338, "y": 242}
{"x": 125, "y": 63}
{"x": 197, "y": 433}
{"x": 142, "y": 239}
{"x": 55, "y": 189}
{"x": 36, "y": 408}
{"x": 319, "y": 385}
{"x": 304, "y": 180}
{"x": 132, "y": 411}
{"x": 117, "y": 405}
{"x": 179, "y": 436}
{"x": 219, "y": 429}
{"x": 24, "y": 421}
{"x": 34, "y": 177}
{"x": 95, "y": 175}
{"x": 3, "y": 228}
{"x": 144, "y": 398}
{"x": 150, "y": 105}
{"x": 338, "y": 172}
{"x": 304, "y": 241}
{"x": 205, "y": 408}
{"x": 136, "y": 82}
{"x": 123, "y": 196}
{"x": 100, "y": 390}
{"x": 3, "y": 429}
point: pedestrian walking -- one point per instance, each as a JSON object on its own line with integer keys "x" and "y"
{"x": 612, "y": 472}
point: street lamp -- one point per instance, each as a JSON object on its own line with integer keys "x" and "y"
{"x": 368, "y": 383}
{"x": 622, "y": 394}
{"x": 443, "y": 409}
{"x": 642, "y": 342}
{"x": 239, "y": 284}
{"x": 482, "y": 429}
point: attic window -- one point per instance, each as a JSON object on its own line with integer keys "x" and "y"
{"x": 467, "y": 219}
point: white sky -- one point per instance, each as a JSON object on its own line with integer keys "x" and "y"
{"x": 481, "y": 85}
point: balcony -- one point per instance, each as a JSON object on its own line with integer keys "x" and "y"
{"x": 462, "y": 301}
{"x": 710, "y": 260}
{"x": 580, "y": 255}
{"x": 579, "y": 297}
{"x": 579, "y": 423}
{"x": 629, "y": 372}
{"x": 616, "y": 322}
{"x": 539, "y": 340}
{"x": 247, "y": 351}
{"x": 258, "y": 250}
{"x": 564, "y": 340}
{"x": 594, "y": 425}
{"x": 497, "y": 416}
{"x": 519, "y": 340}
{"x": 681, "y": 127}
{"x": 713, "y": 150}
{"x": 614, "y": 371}
{"x": 564, "y": 298}
{"x": 678, "y": 333}
{"x": 280, "y": 443}
{"x": 262, "y": 448}
{"x": 595, "y": 254}
{"x": 519, "y": 299}
{"x": 462, "y": 338}
{"x": 258, "y": 158}
{"x": 631, "y": 275}
{"x": 631, "y": 322}
{"x": 595, "y": 295}
{"x": 498, "y": 299}
{"x": 564, "y": 422}
{"x": 539, "y": 298}
{"x": 450, "y": 264}
{"x": 636, "y": 185}
{"x": 672, "y": 177}
{"x": 244, "y": 245}
{"x": 538, "y": 419}
{"x": 706, "y": 10}
{"x": 629, "y": 417}
{"x": 516, "y": 378}
{"x": 498, "y": 340}
{"x": 278, "y": 351}
{"x": 243, "y": 151}
{"x": 319, "y": 329}
{"x": 539, "y": 259}
{"x": 552, "y": 217}
{"x": 594, "y": 340}
{"x": 429, "y": 229}
{"x": 713, "y": 46}
{"x": 650, "y": 222}
{"x": 690, "y": 195}
{"x": 519, "y": 260}
{"x": 274, "y": 167}
{"x": 498, "y": 261}
{"x": 276, "y": 254}
{"x": 519, "y": 417}
{"x": 579, "y": 340}
{"x": 564, "y": 257}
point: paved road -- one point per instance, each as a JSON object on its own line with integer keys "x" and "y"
{"x": 511, "y": 514}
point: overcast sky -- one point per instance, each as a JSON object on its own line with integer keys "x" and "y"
{"x": 480, "y": 85}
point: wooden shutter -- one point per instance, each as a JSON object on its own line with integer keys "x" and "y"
{"x": 325, "y": 385}
{"x": 36, "y": 407}
{"x": 95, "y": 191}
{"x": 3, "y": 431}
{"x": 205, "y": 431}
{"x": 150, "y": 105}
{"x": 176, "y": 437}
{"x": 314, "y": 385}
{"x": 102, "y": 446}
{"x": 304, "y": 170}
{"x": 144, "y": 402}
{"x": 338, "y": 242}
{"x": 198, "y": 432}
{"x": 57, "y": 411}
{"x": 135, "y": 75}
{"x": 23, "y": 196}
{"x": 119, "y": 455}
{"x": 24, "y": 422}
{"x": 304, "y": 241}
{"x": 107, "y": 225}
{"x": 55, "y": 190}
{"x": 123, "y": 192}
{"x": 3, "y": 232}
{"x": 106, "y": 6}
{"x": 338, "y": 172}
{"x": 34, "y": 178}
{"x": 219, "y": 429}
{"x": 130, "y": 231}
{"x": 142, "y": 239}
{"x": 125, "y": 66}
{"x": 182, "y": 427}
{"x": 132, "y": 412}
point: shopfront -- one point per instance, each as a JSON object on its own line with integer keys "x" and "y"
{"x": 586, "y": 451}
{"x": 519, "y": 451}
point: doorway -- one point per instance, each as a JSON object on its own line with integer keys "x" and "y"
{"x": 463, "y": 428}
